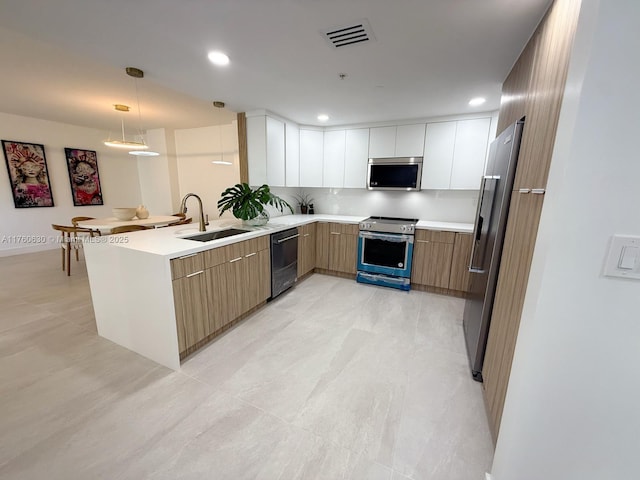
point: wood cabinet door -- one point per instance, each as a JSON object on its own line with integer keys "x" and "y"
{"x": 257, "y": 277}
{"x": 519, "y": 243}
{"x": 343, "y": 252}
{"x": 460, "y": 276}
{"x": 234, "y": 272}
{"x": 306, "y": 249}
{"x": 322, "y": 245}
{"x": 431, "y": 263}
{"x": 218, "y": 299}
{"x": 192, "y": 314}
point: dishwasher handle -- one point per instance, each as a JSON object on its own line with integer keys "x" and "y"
{"x": 282, "y": 240}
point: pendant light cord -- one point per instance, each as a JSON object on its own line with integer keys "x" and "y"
{"x": 135, "y": 81}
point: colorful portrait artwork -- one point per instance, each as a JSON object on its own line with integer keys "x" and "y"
{"x": 84, "y": 178}
{"x": 28, "y": 174}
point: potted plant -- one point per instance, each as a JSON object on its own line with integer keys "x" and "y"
{"x": 304, "y": 201}
{"x": 248, "y": 203}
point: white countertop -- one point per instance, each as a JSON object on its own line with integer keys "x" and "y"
{"x": 170, "y": 242}
{"x": 445, "y": 226}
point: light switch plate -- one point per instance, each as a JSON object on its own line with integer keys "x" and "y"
{"x": 623, "y": 257}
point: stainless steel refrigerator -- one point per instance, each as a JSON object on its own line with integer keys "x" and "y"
{"x": 490, "y": 225}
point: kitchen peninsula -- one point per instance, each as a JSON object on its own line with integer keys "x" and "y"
{"x": 164, "y": 296}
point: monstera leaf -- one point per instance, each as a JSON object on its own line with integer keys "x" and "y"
{"x": 247, "y": 203}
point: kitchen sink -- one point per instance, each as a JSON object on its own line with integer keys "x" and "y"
{"x": 208, "y": 236}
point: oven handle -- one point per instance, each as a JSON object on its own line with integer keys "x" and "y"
{"x": 390, "y": 237}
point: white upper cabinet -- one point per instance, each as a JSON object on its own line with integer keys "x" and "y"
{"x": 257, "y": 150}
{"x": 472, "y": 139}
{"x": 356, "y": 156}
{"x": 410, "y": 140}
{"x": 265, "y": 150}
{"x": 455, "y": 154}
{"x": 275, "y": 153}
{"x": 333, "y": 163}
{"x": 311, "y": 157}
{"x": 292, "y": 154}
{"x": 397, "y": 141}
{"x": 382, "y": 142}
{"x": 439, "y": 145}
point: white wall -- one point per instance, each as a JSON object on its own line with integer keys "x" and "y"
{"x": 573, "y": 406}
{"x": 196, "y": 148}
{"x": 158, "y": 177}
{"x": 437, "y": 205}
{"x": 118, "y": 178}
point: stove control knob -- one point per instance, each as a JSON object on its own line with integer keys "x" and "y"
{"x": 403, "y": 228}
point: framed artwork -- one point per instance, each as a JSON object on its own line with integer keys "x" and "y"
{"x": 28, "y": 174}
{"x": 84, "y": 177}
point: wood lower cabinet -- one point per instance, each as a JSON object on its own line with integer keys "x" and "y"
{"x": 190, "y": 300}
{"x": 460, "y": 276}
{"x": 219, "y": 302}
{"x": 343, "y": 252}
{"x": 322, "y": 245}
{"x": 213, "y": 288}
{"x": 337, "y": 247}
{"x": 306, "y": 249}
{"x": 256, "y": 270}
{"x": 432, "y": 255}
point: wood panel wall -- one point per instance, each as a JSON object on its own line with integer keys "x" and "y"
{"x": 533, "y": 89}
{"x": 243, "y": 153}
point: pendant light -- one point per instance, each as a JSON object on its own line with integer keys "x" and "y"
{"x": 222, "y": 161}
{"x": 135, "y": 147}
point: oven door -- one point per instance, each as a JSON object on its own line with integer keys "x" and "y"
{"x": 387, "y": 253}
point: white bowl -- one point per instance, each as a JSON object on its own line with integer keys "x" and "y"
{"x": 123, "y": 213}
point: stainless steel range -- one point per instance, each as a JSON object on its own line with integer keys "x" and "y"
{"x": 385, "y": 251}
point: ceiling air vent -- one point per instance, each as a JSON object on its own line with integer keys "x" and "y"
{"x": 354, "y": 33}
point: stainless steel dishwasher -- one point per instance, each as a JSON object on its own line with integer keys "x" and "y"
{"x": 284, "y": 260}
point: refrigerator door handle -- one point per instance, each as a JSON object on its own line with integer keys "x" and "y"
{"x": 480, "y": 220}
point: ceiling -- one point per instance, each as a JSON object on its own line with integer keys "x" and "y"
{"x": 64, "y": 60}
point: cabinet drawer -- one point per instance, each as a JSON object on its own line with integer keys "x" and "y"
{"x": 220, "y": 255}
{"x": 183, "y": 266}
{"x": 435, "y": 236}
{"x": 347, "y": 228}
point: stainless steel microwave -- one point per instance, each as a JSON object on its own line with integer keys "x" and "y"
{"x": 401, "y": 173}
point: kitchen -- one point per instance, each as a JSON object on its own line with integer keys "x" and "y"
{"x": 511, "y": 429}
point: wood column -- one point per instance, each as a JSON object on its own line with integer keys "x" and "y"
{"x": 242, "y": 147}
{"x": 534, "y": 89}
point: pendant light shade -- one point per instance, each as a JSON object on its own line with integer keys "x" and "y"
{"x": 135, "y": 147}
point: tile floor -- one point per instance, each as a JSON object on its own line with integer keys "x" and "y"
{"x": 332, "y": 380}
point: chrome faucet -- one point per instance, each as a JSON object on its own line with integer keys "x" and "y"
{"x": 183, "y": 209}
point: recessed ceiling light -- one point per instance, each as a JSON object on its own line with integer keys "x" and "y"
{"x": 474, "y": 102}
{"x": 323, "y": 117}
{"x": 218, "y": 58}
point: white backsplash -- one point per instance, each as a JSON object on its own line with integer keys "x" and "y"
{"x": 436, "y": 205}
